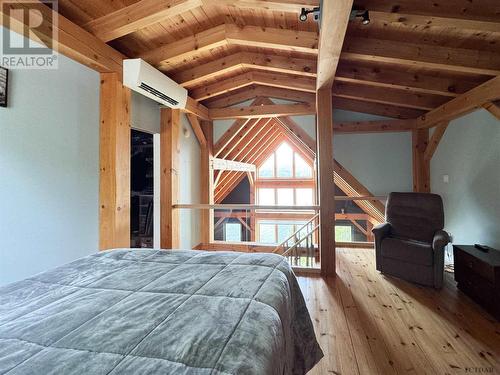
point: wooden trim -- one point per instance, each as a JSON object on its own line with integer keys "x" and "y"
{"x": 231, "y": 165}
{"x": 196, "y": 126}
{"x": 465, "y": 103}
{"x": 114, "y": 161}
{"x": 324, "y": 131}
{"x": 434, "y": 141}
{"x": 493, "y": 108}
{"x": 421, "y": 166}
{"x": 169, "y": 191}
{"x": 207, "y": 183}
{"x": 334, "y": 20}
{"x": 375, "y": 126}
{"x": 137, "y": 16}
{"x": 274, "y": 110}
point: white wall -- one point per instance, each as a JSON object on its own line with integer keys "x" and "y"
{"x": 469, "y": 153}
{"x": 49, "y": 169}
{"x": 189, "y": 177}
{"x": 380, "y": 161}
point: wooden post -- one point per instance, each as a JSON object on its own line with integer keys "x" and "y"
{"x": 421, "y": 165}
{"x": 324, "y": 132}
{"x": 169, "y": 185}
{"x": 251, "y": 180}
{"x": 207, "y": 183}
{"x": 114, "y": 163}
{"x": 369, "y": 234}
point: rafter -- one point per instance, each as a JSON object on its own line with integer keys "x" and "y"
{"x": 376, "y": 108}
{"x": 137, "y": 16}
{"x": 249, "y": 60}
{"x": 473, "y": 99}
{"x": 374, "y": 126}
{"x": 426, "y": 56}
{"x": 493, "y": 108}
{"x": 231, "y": 34}
{"x": 275, "y": 110}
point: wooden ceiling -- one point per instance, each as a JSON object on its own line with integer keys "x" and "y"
{"x": 413, "y": 56}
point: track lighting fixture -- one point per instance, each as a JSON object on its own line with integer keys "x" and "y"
{"x": 304, "y": 12}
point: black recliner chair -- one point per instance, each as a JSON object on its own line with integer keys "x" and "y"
{"x": 411, "y": 244}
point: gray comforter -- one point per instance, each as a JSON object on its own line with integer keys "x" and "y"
{"x": 158, "y": 312}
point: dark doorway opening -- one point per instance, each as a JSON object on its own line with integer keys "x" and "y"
{"x": 141, "y": 197}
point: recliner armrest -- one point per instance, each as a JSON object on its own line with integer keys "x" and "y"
{"x": 381, "y": 230}
{"x": 440, "y": 240}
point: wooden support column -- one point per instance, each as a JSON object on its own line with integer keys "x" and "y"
{"x": 324, "y": 131}
{"x": 251, "y": 179}
{"x": 114, "y": 163}
{"x": 207, "y": 183}
{"x": 421, "y": 165}
{"x": 169, "y": 185}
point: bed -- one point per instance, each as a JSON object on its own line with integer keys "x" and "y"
{"x": 132, "y": 311}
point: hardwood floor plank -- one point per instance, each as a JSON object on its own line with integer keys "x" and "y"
{"x": 369, "y": 323}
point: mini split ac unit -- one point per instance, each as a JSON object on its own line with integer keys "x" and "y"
{"x": 139, "y": 76}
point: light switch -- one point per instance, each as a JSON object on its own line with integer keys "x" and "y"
{"x": 446, "y": 178}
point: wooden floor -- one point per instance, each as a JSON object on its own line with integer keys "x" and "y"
{"x": 367, "y": 323}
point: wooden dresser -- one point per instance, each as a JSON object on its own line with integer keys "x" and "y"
{"x": 478, "y": 275}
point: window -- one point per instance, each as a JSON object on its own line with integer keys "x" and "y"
{"x": 267, "y": 233}
{"x": 284, "y": 161}
{"x": 302, "y": 169}
{"x": 266, "y": 170}
{"x": 304, "y": 196}
{"x": 232, "y": 232}
{"x": 285, "y": 197}
{"x": 266, "y": 197}
{"x": 275, "y": 232}
{"x": 343, "y": 233}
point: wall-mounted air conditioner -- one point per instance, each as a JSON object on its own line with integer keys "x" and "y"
{"x": 139, "y": 76}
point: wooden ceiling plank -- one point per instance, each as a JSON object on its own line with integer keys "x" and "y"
{"x": 422, "y": 56}
{"x": 374, "y": 126}
{"x": 186, "y": 48}
{"x": 465, "y": 103}
{"x": 137, "y": 16}
{"x": 334, "y": 20}
{"x": 249, "y": 60}
{"x": 292, "y": 6}
{"x": 376, "y": 108}
{"x": 275, "y": 110}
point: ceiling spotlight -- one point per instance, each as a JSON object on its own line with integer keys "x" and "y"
{"x": 360, "y": 13}
{"x": 304, "y": 12}
{"x": 365, "y": 18}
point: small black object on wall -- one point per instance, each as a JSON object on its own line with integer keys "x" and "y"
{"x": 4, "y": 84}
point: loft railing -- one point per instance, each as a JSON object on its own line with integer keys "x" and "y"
{"x": 285, "y": 245}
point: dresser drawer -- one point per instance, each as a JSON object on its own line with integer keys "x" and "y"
{"x": 467, "y": 261}
{"x": 477, "y": 287}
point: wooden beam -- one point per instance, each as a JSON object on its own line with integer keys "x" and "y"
{"x": 197, "y": 109}
{"x": 375, "y": 126}
{"x": 248, "y": 36}
{"x": 273, "y": 38}
{"x": 114, "y": 160}
{"x": 186, "y": 48}
{"x": 293, "y": 6}
{"x": 421, "y": 166}
{"x": 434, "y": 141}
{"x": 246, "y": 60}
{"x": 493, "y": 108}
{"x": 275, "y": 110}
{"x": 231, "y": 165}
{"x": 207, "y": 183}
{"x": 73, "y": 41}
{"x": 393, "y": 76}
{"x": 138, "y": 16}
{"x": 222, "y": 87}
{"x": 334, "y": 20}
{"x": 376, "y": 108}
{"x": 169, "y": 190}
{"x": 465, "y": 103}
{"x": 423, "y": 56}
{"x": 196, "y": 126}
{"x": 388, "y": 95}
{"x": 326, "y": 195}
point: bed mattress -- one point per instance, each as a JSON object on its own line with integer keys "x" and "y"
{"x": 131, "y": 311}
